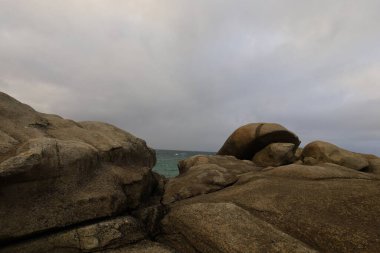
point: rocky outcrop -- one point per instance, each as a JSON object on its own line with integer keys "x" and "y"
{"x": 249, "y": 139}
{"x": 71, "y": 187}
{"x": 56, "y": 173}
{"x": 324, "y": 206}
{"x": 320, "y": 151}
{"x": 327, "y": 208}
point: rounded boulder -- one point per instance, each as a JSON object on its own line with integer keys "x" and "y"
{"x": 249, "y": 139}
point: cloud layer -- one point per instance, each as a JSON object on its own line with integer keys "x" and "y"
{"x": 185, "y": 74}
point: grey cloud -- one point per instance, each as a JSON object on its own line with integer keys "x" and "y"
{"x": 185, "y": 74}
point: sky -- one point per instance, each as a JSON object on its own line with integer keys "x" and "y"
{"x": 184, "y": 74}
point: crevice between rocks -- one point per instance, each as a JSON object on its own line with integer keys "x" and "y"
{"x": 51, "y": 231}
{"x": 156, "y": 212}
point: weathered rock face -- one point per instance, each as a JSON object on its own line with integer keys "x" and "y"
{"x": 118, "y": 235}
{"x": 224, "y": 227}
{"x": 204, "y": 174}
{"x": 145, "y": 246}
{"x": 320, "y": 151}
{"x": 104, "y": 235}
{"x": 275, "y": 154}
{"x": 56, "y": 172}
{"x": 298, "y": 154}
{"x": 249, "y": 139}
{"x": 329, "y": 208}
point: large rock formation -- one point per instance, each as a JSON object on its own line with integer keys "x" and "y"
{"x": 329, "y": 209}
{"x": 326, "y": 206}
{"x": 56, "y": 173}
{"x": 71, "y": 187}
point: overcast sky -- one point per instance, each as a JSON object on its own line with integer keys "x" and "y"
{"x": 185, "y": 74}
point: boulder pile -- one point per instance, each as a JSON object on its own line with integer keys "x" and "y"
{"x": 73, "y": 187}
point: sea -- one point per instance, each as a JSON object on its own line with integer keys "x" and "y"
{"x": 167, "y": 160}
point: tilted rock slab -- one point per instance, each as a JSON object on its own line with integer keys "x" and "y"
{"x": 56, "y": 172}
{"x": 224, "y": 228}
{"x": 249, "y": 139}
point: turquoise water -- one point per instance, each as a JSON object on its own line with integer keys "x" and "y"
{"x": 167, "y": 160}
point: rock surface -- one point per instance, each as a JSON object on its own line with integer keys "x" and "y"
{"x": 71, "y": 187}
{"x": 224, "y": 227}
{"x": 329, "y": 208}
{"x": 275, "y": 154}
{"x": 228, "y": 162}
{"x": 320, "y": 152}
{"x": 374, "y": 166}
{"x": 203, "y": 174}
{"x": 321, "y": 171}
{"x": 145, "y": 246}
{"x": 325, "y": 205}
{"x": 99, "y": 236}
{"x": 56, "y": 172}
{"x": 249, "y": 139}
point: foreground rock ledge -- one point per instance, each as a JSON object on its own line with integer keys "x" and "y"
{"x": 326, "y": 208}
{"x": 122, "y": 234}
{"x": 224, "y": 227}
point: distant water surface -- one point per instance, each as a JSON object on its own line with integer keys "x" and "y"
{"x": 167, "y": 160}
